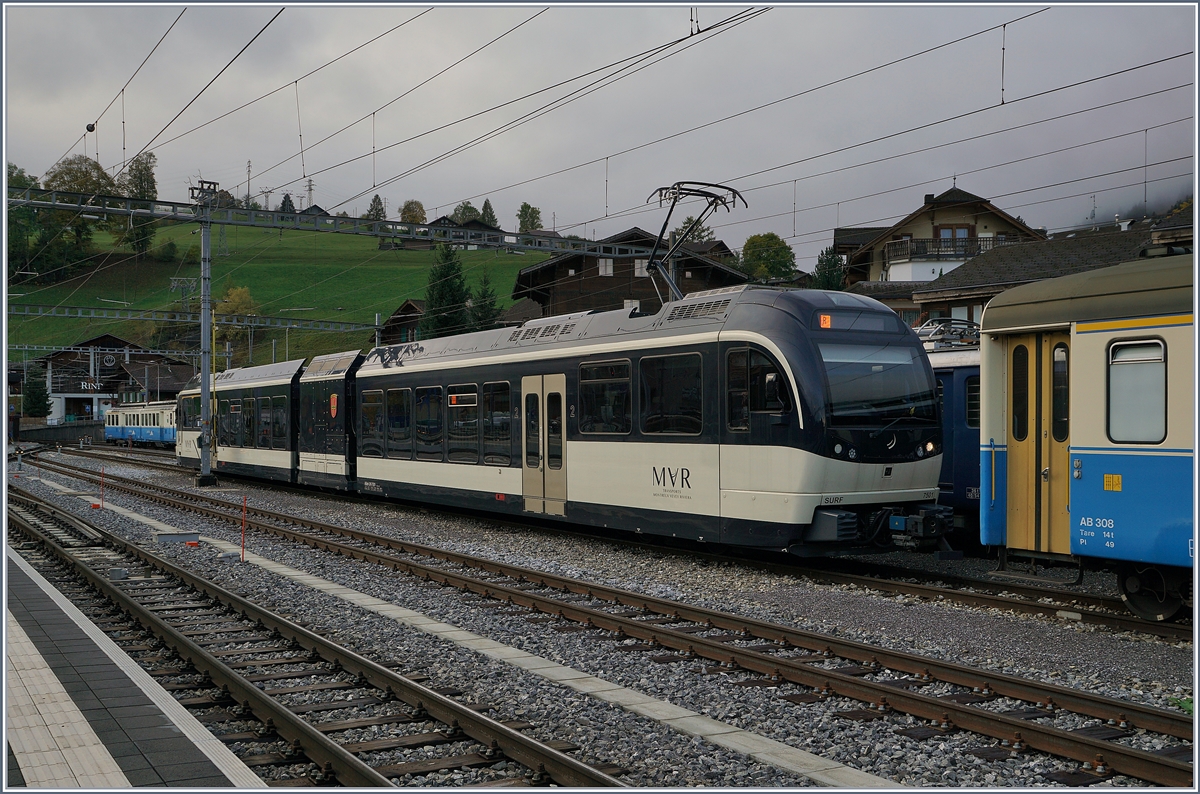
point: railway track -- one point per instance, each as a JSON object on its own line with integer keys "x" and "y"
{"x": 161, "y": 462}
{"x": 239, "y": 663}
{"x": 1048, "y": 602}
{"x": 1020, "y": 714}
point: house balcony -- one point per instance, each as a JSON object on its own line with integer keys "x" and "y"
{"x": 941, "y": 249}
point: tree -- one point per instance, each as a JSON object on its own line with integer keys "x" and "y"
{"x": 701, "y": 234}
{"x": 445, "y": 296}
{"x": 376, "y": 212}
{"x": 463, "y": 213}
{"x": 413, "y": 211}
{"x": 286, "y": 205}
{"x": 236, "y": 300}
{"x": 528, "y": 218}
{"x": 484, "y": 311}
{"x": 138, "y": 182}
{"x": 766, "y": 256}
{"x": 488, "y": 215}
{"x": 35, "y": 400}
{"x": 22, "y": 225}
{"x": 78, "y": 174}
{"x": 830, "y": 271}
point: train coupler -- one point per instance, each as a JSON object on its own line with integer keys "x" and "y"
{"x": 925, "y": 523}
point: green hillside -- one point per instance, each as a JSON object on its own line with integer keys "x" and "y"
{"x": 306, "y": 275}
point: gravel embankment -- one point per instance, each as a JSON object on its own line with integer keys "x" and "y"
{"x": 1124, "y": 666}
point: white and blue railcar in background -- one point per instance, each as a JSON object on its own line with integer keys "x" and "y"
{"x": 1088, "y": 415}
{"x": 141, "y": 424}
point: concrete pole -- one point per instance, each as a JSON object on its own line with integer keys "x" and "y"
{"x": 377, "y": 329}
{"x": 95, "y": 389}
{"x": 273, "y": 341}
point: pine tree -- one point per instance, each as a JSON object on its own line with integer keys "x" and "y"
{"x": 35, "y": 400}
{"x": 138, "y": 182}
{"x": 484, "y": 311}
{"x": 488, "y": 215}
{"x": 376, "y": 212}
{"x": 829, "y": 272}
{"x": 286, "y": 205}
{"x": 701, "y": 234}
{"x": 445, "y": 296}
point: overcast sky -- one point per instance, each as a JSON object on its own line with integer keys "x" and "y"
{"x": 63, "y": 65}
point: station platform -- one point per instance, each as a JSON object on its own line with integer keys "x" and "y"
{"x": 82, "y": 714}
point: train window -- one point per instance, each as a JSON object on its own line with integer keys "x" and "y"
{"x": 671, "y": 394}
{"x": 371, "y": 433}
{"x": 264, "y": 423}
{"x": 554, "y": 431}
{"x": 877, "y": 384}
{"x": 1020, "y": 392}
{"x": 605, "y": 398}
{"x": 308, "y": 417}
{"x": 223, "y": 424}
{"x": 399, "y": 424}
{"x": 248, "y": 422}
{"x": 1059, "y": 395}
{"x": 1137, "y": 392}
{"x": 279, "y": 422}
{"x": 429, "y": 423}
{"x": 737, "y": 388}
{"x": 768, "y": 391}
{"x": 972, "y": 394}
{"x": 497, "y": 424}
{"x": 533, "y": 455}
{"x": 462, "y": 426}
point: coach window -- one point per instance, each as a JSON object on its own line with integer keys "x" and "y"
{"x": 462, "y": 426}
{"x": 1137, "y": 392}
{"x": 371, "y": 418}
{"x": 768, "y": 391}
{"x": 605, "y": 398}
{"x": 1020, "y": 393}
{"x": 247, "y": 422}
{"x": 533, "y": 455}
{"x": 738, "y": 389}
{"x": 554, "y": 430}
{"x": 308, "y": 417}
{"x": 671, "y": 394}
{"x": 1059, "y": 394}
{"x": 223, "y": 424}
{"x": 279, "y": 422}
{"x": 972, "y": 393}
{"x": 399, "y": 424}
{"x": 429, "y": 422}
{"x": 497, "y": 424}
{"x": 264, "y": 422}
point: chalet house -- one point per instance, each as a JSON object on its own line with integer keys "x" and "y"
{"x": 945, "y": 232}
{"x": 402, "y": 325}
{"x": 964, "y": 292}
{"x": 575, "y": 281}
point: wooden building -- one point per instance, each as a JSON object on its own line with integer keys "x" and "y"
{"x": 576, "y": 281}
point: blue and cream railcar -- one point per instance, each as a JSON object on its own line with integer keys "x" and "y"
{"x": 1087, "y": 429}
{"x": 786, "y": 419}
{"x": 255, "y": 420}
{"x": 141, "y": 424}
{"x": 325, "y": 441}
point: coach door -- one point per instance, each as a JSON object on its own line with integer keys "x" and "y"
{"x": 1039, "y": 475}
{"x": 543, "y": 445}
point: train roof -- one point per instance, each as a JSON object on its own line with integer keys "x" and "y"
{"x": 264, "y": 375}
{"x": 707, "y": 311}
{"x": 1142, "y": 288}
{"x": 330, "y": 366}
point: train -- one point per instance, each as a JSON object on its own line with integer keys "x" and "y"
{"x": 1086, "y": 427}
{"x": 803, "y": 421}
{"x": 141, "y": 424}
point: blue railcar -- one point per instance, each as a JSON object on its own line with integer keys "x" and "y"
{"x": 141, "y": 424}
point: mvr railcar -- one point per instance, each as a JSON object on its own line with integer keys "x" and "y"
{"x": 141, "y": 424}
{"x": 784, "y": 419}
{"x": 1086, "y": 447}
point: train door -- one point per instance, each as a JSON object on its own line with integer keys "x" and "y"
{"x": 1039, "y": 436}
{"x": 544, "y": 469}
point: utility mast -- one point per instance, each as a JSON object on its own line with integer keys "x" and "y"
{"x": 205, "y": 195}
{"x": 310, "y": 190}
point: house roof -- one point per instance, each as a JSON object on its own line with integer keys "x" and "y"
{"x": 160, "y": 377}
{"x": 883, "y": 290}
{"x": 1008, "y": 265}
{"x": 708, "y": 248}
{"x": 856, "y": 235}
{"x": 521, "y": 311}
{"x": 952, "y": 197}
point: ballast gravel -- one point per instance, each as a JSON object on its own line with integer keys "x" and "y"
{"x": 1134, "y": 667}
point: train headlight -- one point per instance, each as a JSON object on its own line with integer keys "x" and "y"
{"x": 920, "y": 452}
{"x": 929, "y": 447}
{"x": 837, "y": 449}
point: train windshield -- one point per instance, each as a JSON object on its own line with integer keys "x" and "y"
{"x": 870, "y": 383}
